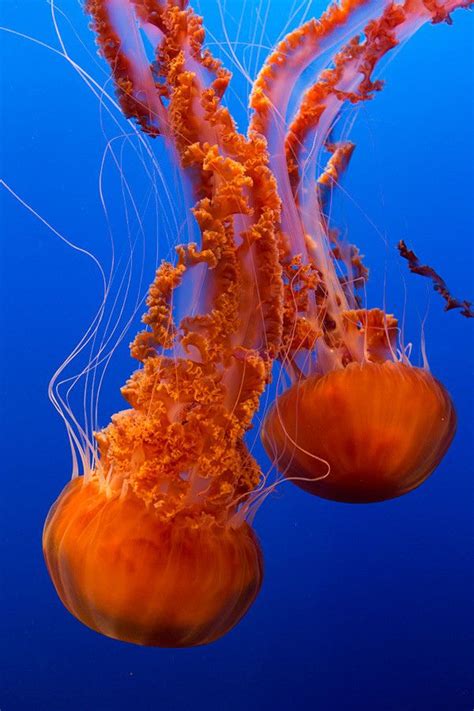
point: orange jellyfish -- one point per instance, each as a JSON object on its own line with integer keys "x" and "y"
{"x": 359, "y": 422}
{"x": 150, "y": 545}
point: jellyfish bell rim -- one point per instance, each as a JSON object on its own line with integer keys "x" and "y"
{"x": 238, "y": 570}
{"x": 316, "y": 479}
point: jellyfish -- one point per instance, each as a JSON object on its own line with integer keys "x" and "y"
{"x": 149, "y": 546}
{"x": 153, "y": 543}
{"x": 358, "y": 423}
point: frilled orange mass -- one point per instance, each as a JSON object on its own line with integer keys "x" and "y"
{"x": 151, "y": 545}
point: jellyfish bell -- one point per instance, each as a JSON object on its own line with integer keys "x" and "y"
{"x": 366, "y": 431}
{"x": 124, "y": 572}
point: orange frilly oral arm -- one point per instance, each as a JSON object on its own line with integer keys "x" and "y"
{"x": 203, "y": 372}
{"x": 117, "y": 24}
{"x": 351, "y": 37}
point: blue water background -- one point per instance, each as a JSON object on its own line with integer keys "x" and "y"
{"x": 363, "y": 607}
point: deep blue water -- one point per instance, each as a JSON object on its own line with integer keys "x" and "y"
{"x": 363, "y": 607}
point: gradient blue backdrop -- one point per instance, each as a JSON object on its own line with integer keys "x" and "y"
{"x": 364, "y": 607}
